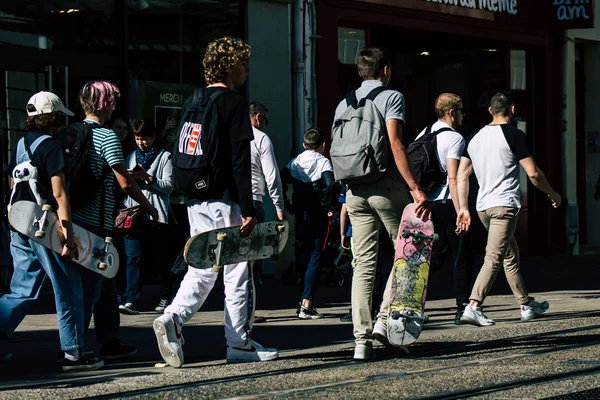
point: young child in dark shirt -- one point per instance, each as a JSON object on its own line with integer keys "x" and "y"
{"x": 311, "y": 176}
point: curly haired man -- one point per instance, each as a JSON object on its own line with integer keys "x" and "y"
{"x": 225, "y": 66}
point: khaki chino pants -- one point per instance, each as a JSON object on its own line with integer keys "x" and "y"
{"x": 501, "y": 250}
{"x": 370, "y": 205}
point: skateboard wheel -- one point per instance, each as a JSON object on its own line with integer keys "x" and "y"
{"x": 102, "y": 266}
{"x": 396, "y": 315}
{"x": 221, "y": 236}
{"x": 406, "y": 234}
{"x": 108, "y": 239}
{"x": 40, "y": 234}
{"x": 435, "y": 237}
{"x": 217, "y": 268}
{"x": 280, "y": 228}
{"x": 47, "y": 207}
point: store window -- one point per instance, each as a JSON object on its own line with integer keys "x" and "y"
{"x": 518, "y": 70}
{"x": 82, "y": 25}
{"x": 167, "y": 40}
{"x": 350, "y": 41}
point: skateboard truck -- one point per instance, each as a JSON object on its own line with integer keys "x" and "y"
{"x": 275, "y": 242}
{"x": 221, "y": 236}
{"x": 101, "y": 253}
{"x": 418, "y": 237}
{"x": 42, "y": 222}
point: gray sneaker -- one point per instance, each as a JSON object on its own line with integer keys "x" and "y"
{"x": 475, "y": 316}
{"x": 533, "y": 309}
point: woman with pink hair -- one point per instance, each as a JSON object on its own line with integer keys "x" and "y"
{"x": 98, "y": 100}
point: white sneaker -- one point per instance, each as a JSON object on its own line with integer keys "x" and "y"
{"x": 251, "y": 351}
{"x": 167, "y": 329}
{"x": 380, "y": 334}
{"x": 474, "y": 316}
{"x": 533, "y": 309}
{"x": 364, "y": 352}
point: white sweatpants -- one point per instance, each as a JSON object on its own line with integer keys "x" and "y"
{"x": 237, "y": 278}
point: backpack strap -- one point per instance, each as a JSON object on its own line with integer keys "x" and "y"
{"x": 24, "y": 148}
{"x": 351, "y": 99}
{"x": 372, "y": 95}
{"x": 21, "y": 151}
{"x": 443, "y": 130}
{"x": 214, "y": 97}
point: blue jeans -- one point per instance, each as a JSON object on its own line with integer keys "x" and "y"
{"x": 314, "y": 234}
{"x": 156, "y": 236}
{"x": 100, "y": 300}
{"x": 32, "y": 263}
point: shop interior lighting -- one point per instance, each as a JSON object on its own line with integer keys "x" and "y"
{"x": 425, "y": 53}
{"x": 69, "y": 11}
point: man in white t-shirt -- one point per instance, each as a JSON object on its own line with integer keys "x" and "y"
{"x": 494, "y": 154}
{"x": 444, "y": 200}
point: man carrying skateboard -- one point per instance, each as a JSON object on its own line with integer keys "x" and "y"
{"x": 264, "y": 170}
{"x": 494, "y": 154}
{"x": 33, "y": 262}
{"x": 227, "y": 201}
{"x": 444, "y": 198}
{"x": 371, "y": 204}
{"x": 98, "y": 100}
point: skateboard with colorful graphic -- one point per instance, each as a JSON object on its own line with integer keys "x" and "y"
{"x": 225, "y": 246}
{"x": 41, "y": 224}
{"x": 409, "y": 278}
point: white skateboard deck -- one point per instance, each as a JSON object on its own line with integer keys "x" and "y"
{"x": 95, "y": 253}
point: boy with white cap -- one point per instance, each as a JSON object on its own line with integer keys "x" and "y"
{"x": 33, "y": 262}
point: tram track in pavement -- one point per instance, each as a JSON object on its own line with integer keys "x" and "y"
{"x": 438, "y": 353}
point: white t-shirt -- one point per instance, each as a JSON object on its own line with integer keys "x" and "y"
{"x": 450, "y": 144}
{"x": 495, "y": 152}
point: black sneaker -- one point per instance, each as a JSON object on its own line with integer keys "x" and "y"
{"x": 116, "y": 351}
{"x": 162, "y": 304}
{"x": 129, "y": 308}
{"x": 309, "y": 313}
{"x": 457, "y": 317}
{"x": 83, "y": 364}
{"x": 346, "y": 317}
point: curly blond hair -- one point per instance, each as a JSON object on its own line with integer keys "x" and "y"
{"x": 221, "y": 55}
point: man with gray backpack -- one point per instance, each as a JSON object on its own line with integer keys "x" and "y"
{"x": 368, "y": 154}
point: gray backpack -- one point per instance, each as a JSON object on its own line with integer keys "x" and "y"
{"x": 359, "y": 141}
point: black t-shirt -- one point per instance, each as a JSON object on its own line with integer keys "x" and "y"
{"x": 47, "y": 158}
{"x": 235, "y": 134}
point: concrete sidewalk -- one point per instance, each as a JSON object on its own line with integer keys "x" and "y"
{"x": 571, "y": 285}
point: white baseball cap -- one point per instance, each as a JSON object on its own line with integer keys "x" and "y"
{"x": 46, "y": 103}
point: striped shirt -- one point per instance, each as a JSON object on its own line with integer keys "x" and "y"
{"x": 106, "y": 150}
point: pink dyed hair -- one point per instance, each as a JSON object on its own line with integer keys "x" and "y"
{"x": 97, "y": 96}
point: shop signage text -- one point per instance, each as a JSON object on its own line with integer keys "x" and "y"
{"x": 176, "y": 98}
{"x": 509, "y": 6}
{"x": 569, "y": 10}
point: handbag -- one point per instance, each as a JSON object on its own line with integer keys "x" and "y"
{"x": 130, "y": 219}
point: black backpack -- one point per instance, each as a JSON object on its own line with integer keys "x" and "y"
{"x": 83, "y": 186}
{"x": 424, "y": 163}
{"x": 195, "y": 151}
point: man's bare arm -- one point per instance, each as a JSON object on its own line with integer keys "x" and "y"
{"x": 537, "y": 177}
{"x": 132, "y": 189}
{"x": 395, "y": 132}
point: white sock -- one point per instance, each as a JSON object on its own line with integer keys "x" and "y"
{"x": 72, "y": 355}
